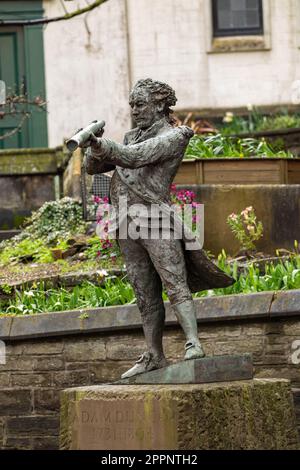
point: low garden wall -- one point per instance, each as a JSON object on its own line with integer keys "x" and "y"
{"x": 46, "y": 353}
{"x": 28, "y": 178}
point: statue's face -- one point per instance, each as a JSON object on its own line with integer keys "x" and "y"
{"x": 144, "y": 110}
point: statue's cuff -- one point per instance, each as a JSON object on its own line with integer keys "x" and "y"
{"x": 104, "y": 151}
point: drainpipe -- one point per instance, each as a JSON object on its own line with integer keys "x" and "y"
{"x": 128, "y": 44}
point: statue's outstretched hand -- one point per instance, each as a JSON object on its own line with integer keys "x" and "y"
{"x": 95, "y": 142}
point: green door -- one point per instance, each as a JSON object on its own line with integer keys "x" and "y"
{"x": 22, "y": 70}
{"x": 12, "y": 72}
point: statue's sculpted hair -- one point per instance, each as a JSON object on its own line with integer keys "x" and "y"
{"x": 159, "y": 91}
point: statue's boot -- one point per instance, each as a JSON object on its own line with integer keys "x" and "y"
{"x": 145, "y": 363}
{"x": 186, "y": 315}
{"x": 153, "y": 318}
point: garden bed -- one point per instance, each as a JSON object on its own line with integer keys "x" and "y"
{"x": 289, "y": 138}
{"x": 104, "y": 289}
{"x": 239, "y": 171}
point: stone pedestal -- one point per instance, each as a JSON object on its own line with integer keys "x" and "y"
{"x": 250, "y": 414}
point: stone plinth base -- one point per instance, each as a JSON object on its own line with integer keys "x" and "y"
{"x": 198, "y": 371}
{"x": 254, "y": 414}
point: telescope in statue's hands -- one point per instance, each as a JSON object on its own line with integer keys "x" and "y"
{"x": 83, "y": 136}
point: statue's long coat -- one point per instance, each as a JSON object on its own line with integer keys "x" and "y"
{"x": 145, "y": 167}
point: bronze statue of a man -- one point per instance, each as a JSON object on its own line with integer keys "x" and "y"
{"x": 145, "y": 166}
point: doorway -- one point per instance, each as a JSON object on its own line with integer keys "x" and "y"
{"x": 22, "y": 71}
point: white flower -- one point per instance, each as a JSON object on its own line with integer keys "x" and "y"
{"x": 29, "y": 293}
{"x": 250, "y": 107}
{"x": 102, "y": 273}
{"x": 228, "y": 117}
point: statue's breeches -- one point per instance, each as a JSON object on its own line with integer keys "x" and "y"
{"x": 152, "y": 264}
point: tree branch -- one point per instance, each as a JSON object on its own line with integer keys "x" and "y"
{"x": 16, "y": 129}
{"x": 67, "y": 16}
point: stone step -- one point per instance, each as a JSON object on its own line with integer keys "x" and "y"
{"x": 7, "y": 234}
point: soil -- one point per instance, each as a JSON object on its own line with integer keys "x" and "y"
{"x": 35, "y": 272}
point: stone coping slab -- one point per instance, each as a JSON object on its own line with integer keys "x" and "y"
{"x": 265, "y": 305}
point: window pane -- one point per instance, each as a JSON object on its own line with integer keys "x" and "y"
{"x": 252, "y": 19}
{"x": 237, "y": 17}
{"x": 252, "y": 4}
{"x": 224, "y": 5}
{"x": 238, "y": 5}
{"x": 225, "y": 20}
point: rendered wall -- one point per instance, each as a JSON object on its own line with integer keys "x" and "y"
{"x": 93, "y": 60}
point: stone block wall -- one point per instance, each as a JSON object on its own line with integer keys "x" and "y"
{"x": 37, "y": 368}
{"x": 30, "y": 177}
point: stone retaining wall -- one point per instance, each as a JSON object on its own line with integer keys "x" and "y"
{"x": 49, "y": 352}
{"x": 277, "y": 206}
{"x": 30, "y": 177}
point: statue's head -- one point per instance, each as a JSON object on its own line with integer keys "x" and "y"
{"x": 150, "y": 101}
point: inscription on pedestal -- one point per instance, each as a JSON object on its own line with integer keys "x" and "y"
{"x": 123, "y": 424}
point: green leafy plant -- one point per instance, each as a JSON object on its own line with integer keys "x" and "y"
{"x": 255, "y": 121}
{"x": 246, "y": 228}
{"x": 102, "y": 249}
{"x": 51, "y": 225}
{"x": 39, "y": 299}
{"x": 6, "y": 288}
{"x": 34, "y": 249}
{"x": 220, "y": 146}
{"x": 284, "y": 121}
{"x": 56, "y": 220}
{"x": 61, "y": 245}
{"x": 282, "y": 276}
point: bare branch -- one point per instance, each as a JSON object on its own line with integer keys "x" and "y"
{"x": 12, "y": 102}
{"x": 67, "y": 16}
{"x": 16, "y": 129}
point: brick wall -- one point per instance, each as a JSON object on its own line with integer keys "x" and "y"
{"x": 37, "y": 369}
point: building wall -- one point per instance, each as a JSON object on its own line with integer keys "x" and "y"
{"x": 88, "y": 75}
{"x": 86, "y": 69}
{"x": 171, "y": 40}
